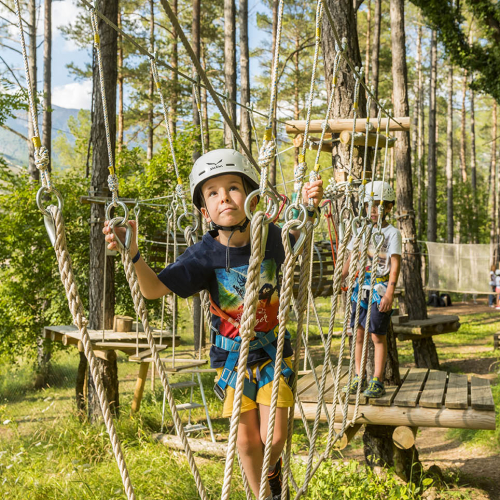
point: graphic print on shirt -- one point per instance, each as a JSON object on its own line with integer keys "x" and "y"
{"x": 231, "y": 287}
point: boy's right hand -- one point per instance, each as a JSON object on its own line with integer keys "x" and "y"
{"x": 120, "y": 232}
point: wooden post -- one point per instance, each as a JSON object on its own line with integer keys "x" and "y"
{"x": 139, "y": 386}
{"x": 337, "y": 125}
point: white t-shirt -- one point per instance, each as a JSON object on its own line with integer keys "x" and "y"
{"x": 392, "y": 246}
{"x": 493, "y": 278}
{"x": 497, "y": 281}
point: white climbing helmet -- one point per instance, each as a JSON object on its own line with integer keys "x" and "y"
{"x": 219, "y": 162}
{"x": 381, "y": 191}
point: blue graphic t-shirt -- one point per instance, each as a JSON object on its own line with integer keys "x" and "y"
{"x": 203, "y": 267}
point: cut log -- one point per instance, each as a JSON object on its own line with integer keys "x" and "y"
{"x": 337, "y": 125}
{"x": 418, "y": 417}
{"x": 404, "y": 436}
{"x": 347, "y": 437}
{"x": 360, "y": 139}
{"x": 139, "y": 386}
{"x": 122, "y": 323}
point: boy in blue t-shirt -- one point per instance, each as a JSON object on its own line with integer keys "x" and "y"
{"x": 383, "y": 292}
{"x": 220, "y": 182}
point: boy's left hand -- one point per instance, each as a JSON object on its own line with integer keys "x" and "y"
{"x": 313, "y": 191}
{"x": 385, "y": 303}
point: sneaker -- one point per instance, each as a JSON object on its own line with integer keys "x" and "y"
{"x": 353, "y": 388}
{"x": 375, "y": 389}
{"x": 275, "y": 484}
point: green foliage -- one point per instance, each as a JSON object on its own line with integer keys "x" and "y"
{"x": 31, "y": 294}
{"x": 9, "y": 101}
{"x": 481, "y": 57}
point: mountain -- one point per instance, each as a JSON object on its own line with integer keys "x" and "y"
{"x": 15, "y": 149}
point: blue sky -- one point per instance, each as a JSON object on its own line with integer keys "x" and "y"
{"x": 66, "y": 92}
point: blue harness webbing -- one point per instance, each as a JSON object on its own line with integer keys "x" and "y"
{"x": 264, "y": 375}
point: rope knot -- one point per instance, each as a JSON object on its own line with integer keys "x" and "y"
{"x": 266, "y": 153}
{"x": 298, "y": 174}
{"x": 330, "y": 189}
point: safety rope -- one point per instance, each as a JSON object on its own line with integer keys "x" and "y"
{"x": 301, "y": 166}
{"x": 179, "y": 188}
{"x": 42, "y": 159}
{"x": 258, "y": 237}
{"x": 268, "y": 148}
{"x": 112, "y": 177}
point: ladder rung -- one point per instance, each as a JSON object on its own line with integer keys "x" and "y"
{"x": 195, "y": 428}
{"x": 189, "y": 406}
{"x": 182, "y": 385}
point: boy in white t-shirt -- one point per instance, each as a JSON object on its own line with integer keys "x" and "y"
{"x": 497, "y": 287}
{"x": 388, "y": 268}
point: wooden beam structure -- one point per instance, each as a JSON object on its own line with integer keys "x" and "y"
{"x": 337, "y": 125}
{"x": 426, "y": 398}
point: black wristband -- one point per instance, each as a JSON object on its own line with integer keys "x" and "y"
{"x": 137, "y": 257}
{"x": 311, "y": 213}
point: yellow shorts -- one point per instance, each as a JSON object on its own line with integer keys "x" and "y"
{"x": 285, "y": 396}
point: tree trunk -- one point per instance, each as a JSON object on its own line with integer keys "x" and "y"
{"x": 431, "y": 163}
{"x": 345, "y": 23}
{"x": 377, "y": 16}
{"x": 272, "y": 166}
{"x": 151, "y": 93}
{"x": 174, "y": 98}
{"x": 100, "y": 164}
{"x": 109, "y": 376}
{"x": 121, "y": 120}
{"x": 449, "y": 158}
{"x": 494, "y": 253}
{"x": 32, "y": 170}
{"x": 47, "y": 79}
{"x": 473, "y": 171}
{"x": 463, "y": 147}
{"x": 230, "y": 65}
{"x": 195, "y": 43}
{"x": 368, "y": 37}
{"x": 245, "y": 127}
{"x": 420, "y": 146}
{"x": 80, "y": 385}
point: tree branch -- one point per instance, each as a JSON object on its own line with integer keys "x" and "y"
{"x": 6, "y": 127}
{"x": 305, "y": 45}
{"x": 15, "y": 13}
{"x": 12, "y": 73}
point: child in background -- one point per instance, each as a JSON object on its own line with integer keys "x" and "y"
{"x": 497, "y": 287}
{"x": 389, "y": 264}
{"x": 220, "y": 182}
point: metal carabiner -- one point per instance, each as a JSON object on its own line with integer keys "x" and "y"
{"x": 303, "y": 211}
{"x": 125, "y": 210}
{"x": 42, "y": 191}
{"x": 129, "y": 232}
{"x": 299, "y": 244}
{"x": 271, "y": 196}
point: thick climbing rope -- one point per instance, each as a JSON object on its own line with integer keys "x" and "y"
{"x": 258, "y": 237}
{"x": 141, "y": 309}
{"x": 286, "y": 292}
{"x": 80, "y": 321}
{"x": 67, "y": 275}
{"x": 301, "y": 305}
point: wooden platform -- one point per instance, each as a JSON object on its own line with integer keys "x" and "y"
{"x": 121, "y": 341}
{"x": 435, "y": 325}
{"x": 426, "y": 398}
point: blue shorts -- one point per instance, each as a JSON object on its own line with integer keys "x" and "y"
{"x": 379, "y": 321}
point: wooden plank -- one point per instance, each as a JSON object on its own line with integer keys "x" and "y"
{"x": 391, "y": 391}
{"x": 307, "y": 380}
{"x": 311, "y": 393}
{"x": 481, "y": 395}
{"x": 433, "y": 393}
{"x": 330, "y": 386}
{"x": 410, "y": 390}
{"x": 457, "y": 392}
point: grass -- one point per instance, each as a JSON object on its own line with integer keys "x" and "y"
{"x": 46, "y": 452}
